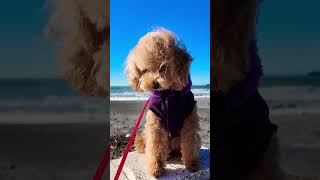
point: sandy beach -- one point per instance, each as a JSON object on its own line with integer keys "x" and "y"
{"x": 295, "y": 109}
{"x": 299, "y": 136}
{"x": 51, "y": 151}
{"x": 63, "y": 137}
{"x": 124, "y": 114}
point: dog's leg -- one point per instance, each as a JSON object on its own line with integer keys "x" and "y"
{"x": 156, "y": 145}
{"x": 139, "y": 143}
{"x": 190, "y": 142}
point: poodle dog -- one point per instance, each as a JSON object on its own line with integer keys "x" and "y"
{"x": 245, "y": 141}
{"x": 80, "y": 29}
{"x": 160, "y": 63}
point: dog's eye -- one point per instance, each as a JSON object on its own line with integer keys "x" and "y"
{"x": 144, "y": 71}
{"x": 163, "y": 69}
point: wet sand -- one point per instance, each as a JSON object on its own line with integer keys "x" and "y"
{"x": 299, "y": 136}
{"x": 73, "y": 150}
{"x": 51, "y": 151}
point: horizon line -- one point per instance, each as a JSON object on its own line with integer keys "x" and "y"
{"x": 61, "y": 77}
{"x": 129, "y": 86}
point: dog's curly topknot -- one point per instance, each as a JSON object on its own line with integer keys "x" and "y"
{"x": 158, "y": 57}
{"x": 80, "y": 29}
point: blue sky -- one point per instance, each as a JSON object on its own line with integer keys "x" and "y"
{"x": 288, "y": 35}
{"x": 23, "y": 50}
{"x": 289, "y": 38}
{"x": 189, "y": 19}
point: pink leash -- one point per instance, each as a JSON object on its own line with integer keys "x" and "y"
{"x": 126, "y": 151}
{"x": 104, "y": 162}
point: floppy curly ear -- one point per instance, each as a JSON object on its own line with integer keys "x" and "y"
{"x": 133, "y": 73}
{"x": 182, "y": 61}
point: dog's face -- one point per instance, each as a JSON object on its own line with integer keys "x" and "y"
{"x": 158, "y": 62}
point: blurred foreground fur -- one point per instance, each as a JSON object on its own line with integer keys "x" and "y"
{"x": 234, "y": 26}
{"x": 233, "y": 30}
{"x": 80, "y": 30}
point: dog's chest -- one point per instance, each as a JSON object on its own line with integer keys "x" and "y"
{"x": 173, "y": 109}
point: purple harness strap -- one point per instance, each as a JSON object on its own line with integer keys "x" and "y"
{"x": 172, "y": 107}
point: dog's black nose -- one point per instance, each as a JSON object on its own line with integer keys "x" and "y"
{"x": 155, "y": 85}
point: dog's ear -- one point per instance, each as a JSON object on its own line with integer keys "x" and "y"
{"x": 181, "y": 58}
{"x": 132, "y": 72}
{"x": 182, "y": 63}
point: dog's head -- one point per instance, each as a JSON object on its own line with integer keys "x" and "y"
{"x": 158, "y": 62}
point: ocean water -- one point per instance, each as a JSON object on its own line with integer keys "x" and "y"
{"x": 125, "y": 93}
{"x": 55, "y": 100}
{"x": 292, "y": 94}
{"x": 47, "y": 100}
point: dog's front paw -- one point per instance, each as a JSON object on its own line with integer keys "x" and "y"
{"x": 156, "y": 169}
{"x": 193, "y": 165}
